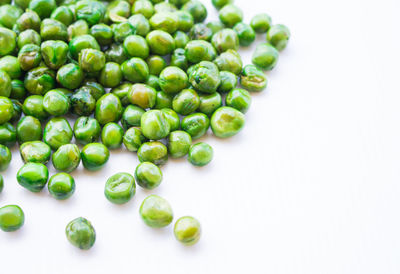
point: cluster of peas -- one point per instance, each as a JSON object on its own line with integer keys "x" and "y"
{"x": 145, "y": 64}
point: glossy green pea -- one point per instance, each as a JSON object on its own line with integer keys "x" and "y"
{"x": 29, "y": 20}
{"x": 156, "y": 64}
{"x": 200, "y": 154}
{"x": 165, "y": 21}
{"x": 29, "y": 128}
{"x": 131, "y": 116}
{"x": 143, "y": 7}
{"x": 18, "y": 91}
{"x": 261, "y": 23}
{"x": 28, "y": 36}
{"x": 86, "y": 130}
{"x": 163, "y": 6}
{"x": 12, "y": 218}
{"x": 91, "y": 11}
{"x": 56, "y": 103}
{"x": 230, "y": 15}
{"x": 80, "y": 233}
{"x": 227, "y": 122}
{"x": 5, "y": 157}
{"x": 215, "y": 26}
{"x": 205, "y": 77}
{"x": 265, "y": 56}
{"x": 133, "y": 139}
{"x": 253, "y": 79}
{"x": 196, "y": 124}
{"x": 156, "y": 212}
{"x": 225, "y": 39}
{"x": 118, "y": 11}
{"x": 66, "y": 158}
{"x": 122, "y": 92}
{"x": 7, "y": 41}
{"x": 163, "y": 100}
{"x": 173, "y": 80}
{"x": 278, "y": 36}
{"x": 136, "y": 46}
{"x": 230, "y": 61}
{"x": 148, "y": 175}
{"x": 42, "y": 7}
{"x": 112, "y": 135}
{"x": 8, "y": 134}
{"x": 200, "y": 31}
{"x": 135, "y": 70}
{"x": 39, "y": 80}
{"x": 35, "y": 152}
{"x": 160, "y": 42}
{"x": 5, "y": 85}
{"x": 120, "y": 188}
{"x": 102, "y": 33}
{"x": 245, "y": 33}
{"x": 11, "y": 66}
{"x": 142, "y": 95}
{"x": 61, "y": 186}
{"x": 83, "y": 102}
{"x": 116, "y": 54}
{"x": 63, "y": 14}
{"x": 33, "y": 176}
{"x": 108, "y": 109}
{"x": 172, "y": 118}
{"x": 53, "y": 30}
{"x": 94, "y": 156}
{"x": 29, "y": 57}
{"x": 96, "y": 89}
{"x": 218, "y": 4}
{"x": 181, "y": 39}
{"x": 209, "y": 103}
{"x": 122, "y": 30}
{"x": 57, "y": 132}
{"x": 54, "y": 53}
{"x": 178, "y": 59}
{"x": 6, "y": 109}
{"x": 153, "y": 81}
{"x": 239, "y": 99}
{"x": 179, "y": 143}
{"x": 17, "y": 106}
{"x": 9, "y": 15}
{"x": 196, "y": 9}
{"x": 185, "y": 20}
{"x": 154, "y": 152}
{"x": 110, "y": 75}
{"x": 78, "y": 28}
{"x": 154, "y": 125}
{"x": 140, "y": 23}
{"x": 229, "y": 81}
{"x": 200, "y": 50}
{"x": 186, "y": 102}
{"x": 91, "y": 60}
{"x": 33, "y": 106}
{"x": 81, "y": 42}
{"x": 187, "y": 230}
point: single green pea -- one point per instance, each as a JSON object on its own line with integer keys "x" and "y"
{"x": 86, "y": 130}
{"x": 94, "y": 156}
{"x": 181, "y": 39}
{"x": 230, "y": 15}
{"x": 11, "y": 66}
{"x": 112, "y": 135}
{"x": 186, "y": 102}
{"x": 57, "y": 132}
{"x": 29, "y": 57}
{"x": 7, "y": 41}
{"x": 156, "y": 64}
{"x": 80, "y": 233}
{"x": 116, "y": 54}
{"x": 6, "y": 109}
{"x": 154, "y": 82}
{"x": 56, "y": 103}
{"x": 163, "y": 6}
{"x": 140, "y": 23}
{"x": 108, "y": 109}
{"x": 278, "y": 36}
{"x": 142, "y": 95}
{"x": 28, "y": 36}
{"x": 230, "y": 61}
{"x": 102, "y": 33}
{"x": 17, "y": 110}
{"x": 61, "y": 186}
{"x": 156, "y": 212}
{"x": 122, "y": 92}
{"x": 39, "y": 80}
{"x": 83, "y": 102}
{"x": 110, "y": 75}
{"x": 200, "y": 154}
{"x": 33, "y": 106}
{"x": 179, "y": 143}
{"x": 200, "y": 31}
{"x": 148, "y": 175}
{"x": 131, "y": 116}
{"x": 133, "y": 139}
{"x": 42, "y": 7}
{"x": 33, "y": 176}
{"x": 209, "y": 103}
{"x": 136, "y": 46}
{"x": 78, "y": 28}
{"x": 91, "y": 11}
{"x": 225, "y": 39}
{"x": 215, "y": 26}
{"x": 8, "y": 134}
{"x": 165, "y": 21}
{"x": 185, "y": 20}
{"x": 66, "y": 158}
{"x": 122, "y": 30}
{"x": 205, "y": 77}
{"x": 173, "y": 80}
{"x": 53, "y": 30}
{"x": 265, "y": 56}
{"x": 261, "y": 23}
{"x": 163, "y": 100}
{"x": 63, "y": 14}
{"x": 253, "y": 79}
{"x": 91, "y": 60}
{"x": 12, "y": 218}
{"x": 54, "y": 53}
{"x": 178, "y": 59}
{"x": 18, "y": 91}
{"x": 143, "y": 7}
{"x": 154, "y": 152}
{"x": 120, "y": 188}
{"x": 29, "y": 128}
{"x": 5, "y": 86}
{"x": 218, "y": 4}
{"x": 172, "y": 118}
{"x": 227, "y": 122}
{"x": 135, "y": 70}
{"x": 35, "y": 152}
{"x": 9, "y": 15}
{"x": 160, "y": 42}
{"x": 239, "y": 99}
{"x": 118, "y": 11}
{"x": 187, "y": 230}
{"x": 196, "y": 9}
{"x": 196, "y": 124}
{"x": 154, "y": 125}
{"x": 81, "y": 42}
{"x": 29, "y": 20}
{"x": 199, "y": 50}
{"x": 245, "y": 33}
{"x": 229, "y": 81}
{"x": 96, "y": 89}
{"x": 5, "y": 157}
{"x": 178, "y": 3}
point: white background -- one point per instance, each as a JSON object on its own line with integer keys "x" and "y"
{"x": 311, "y": 185}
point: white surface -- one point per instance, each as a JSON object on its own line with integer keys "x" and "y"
{"x": 311, "y": 185}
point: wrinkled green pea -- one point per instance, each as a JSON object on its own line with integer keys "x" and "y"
{"x": 178, "y": 59}
{"x": 225, "y": 39}
{"x": 61, "y": 186}
{"x": 110, "y": 75}
{"x": 70, "y": 76}
{"x": 187, "y": 230}
{"x": 33, "y": 176}
{"x": 54, "y": 53}
{"x": 8, "y": 134}
{"x": 92, "y": 60}
{"x": 154, "y": 125}
{"x": 200, "y": 50}
{"x": 179, "y": 143}
{"x": 140, "y": 23}
{"x": 205, "y": 77}
{"x": 39, "y": 80}
{"x": 78, "y": 28}
{"x": 56, "y": 103}
{"x": 172, "y": 118}
{"x": 6, "y": 109}
{"x": 102, "y": 33}
{"x": 245, "y": 33}
{"x": 57, "y": 132}
{"x": 133, "y": 139}
{"x": 122, "y": 92}
{"x": 154, "y": 152}
{"x": 28, "y": 20}
{"x": 196, "y": 9}
{"x": 18, "y": 91}
{"x": 29, "y": 57}
{"x": 63, "y": 14}
{"x": 112, "y": 135}
{"x": 278, "y": 36}
{"x": 131, "y": 116}
{"x": 28, "y": 36}
{"x": 239, "y": 99}
{"x": 228, "y": 81}
{"x": 200, "y": 154}
{"x": 35, "y": 152}
{"x": 120, "y": 188}
{"x": 118, "y": 11}
{"x": 185, "y": 20}
{"x": 186, "y": 102}
{"x": 230, "y": 61}
{"x": 160, "y": 42}
{"x": 122, "y": 30}
{"x": 148, "y": 175}
{"x": 230, "y": 15}
{"x": 135, "y": 70}
{"x": 53, "y": 30}
{"x": 94, "y": 156}
{"x": 91, "y": 11}
{"x": 42, "y": 7}
{"x": 209, "y": 103}
{"x": 29, "y": 128}
{"x": 200, "y": 31}
{"x": 261, "y": 23}
{"x": 80, "y": 233}
{"x": 7, "y": 41}
{"x": 11, "y": 66}
{"x": 196, "y": 124}
{"x": 181, "y": 39}
{"x": 33, "y": 106}
{"x": 227, "y": 122}
{"x": 86, "y": 130}
{"x": 163, "y": 6}
{"x": 5, "y": 157}
{"x": 215, "y": 26}
{"x": 163, "y": 100}
{"x": 156, "y": 212}
{"x": 83, "y": 102}
{"x": 66, "y": 158}
{"x": 253, "y": 79}
{"x": 108, "y": 109}
{"x": 173, "y": 80}
{"x": 143, "y": 7}
{"x": 116, "y": 54}
{"x": 265, "y": 56}
{"x": 81, "y": 42}
{"x": 12, "y": 218}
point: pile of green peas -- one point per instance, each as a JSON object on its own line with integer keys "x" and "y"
{"x": 149, "y": 75}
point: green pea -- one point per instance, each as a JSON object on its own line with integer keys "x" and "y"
{"x": 200, "y": 154}
{"x": 156, "y": 64}
{"x": 80, "y": 232}
{"x": 12, "y": 218}
{"x": 186, "y": 102}
{"x": 245, "y": 33}
{"x": 153, "y": 81}
{"x": 142, "y": 95}
{"x": 66, "y": 158}
{"x": 133, "y": 139}
{"x": 53, "y": 30}
{"x": 178, "y": 3}
{"x": 96, "y": 89}
{"x": 265, "y": 56}
{"x": 35, "y": 152}
{"x": 196, "y": 9}
{"x": 261, "y": 23}
{"x": 17, "y": 110}
{"x": 11, "y": 66}
{"x": 39, "y": 80}
{"x": 178, "y": 59}
{"x": 122, "y": 92}
{"x": 181, "y": 39}
{"x": 187, "y": 230}
{"x": 200, "y": 50}
{"x": 120, "y": 188}
{"x": 116, "y": 54}
{"x": 154, "y": 152}
{"x": 7, "y": 41}
{"x": 205, "y": 77}
{"x": 156, "y": 212}
{"x": 29, "y": 128}
{"x": 173, "y": 80}
{"x": 5, "y": 157}
{"x": 135, "y": 70}
{"x": 172, "y": 118}
{"x": 228, "y": 81}
{"x": 163, "y": 100}
{"x": 42, "y": 7}
{"x": 230, "y": 61}
{"x": 91, "y": 11}
{"x": 154, "y": 125}
{"x": 196, "y": 124}
{"x": 165, "y": 21}
{"x": 140, "y": 23}
{"x": 33, "y": 176}
{"x": 131, "y": 116}
{"x": 82, "y": 102}
{"x": 29, "y": 57}
{"x": 28, "y": 36}
{"x": 29, "y": 20}
{"x": 9, "y": 15}
{"x": 112, "y": 135}
{"x": 253, "y": 79}
{"x": 278, "y": 36}
{"x": 63, "y": 14}
{"x": 54, "y": 53}
{"x": 239, "y": 99}
{"x": 227, "y": 122}
{"x": 110, "y": 75}
{"x": 185, "y": 20}
{"x": 6, "y": 109}
{"x": 148, "y": 175}
{"x": 18, "y": 91}
{"x": 81, "y": 42}
{"x": 160, "y": 42}
{"x": 78, "y": 28}
{"x": 86, "y": 130}
{"x": 94, "y": 156}
{"x": 230, "y": 15}
{"x": 108, "y": 109}
{"x": 57, "y": 132}
{"x": 118, "y": 11}
{"x": 33, "y": 106}
{"x": 143, "y": 7}
{"x": 8, "y": 134}
{"x": 179, "y": 143}
{"x": 163, "y": 6}
{"x": 136, "y": 46}
{"x": 215, "y": 26}
{"x": 218, "y": 4}
{"x": 56, "y": 103}
{"x": 200, "y": 31}
{"x": 209, "y": 103}
{"x": 102, "y": 33}
{"x": 91, "y": 60}
{"x": 122, "y": 30}
{"x": 61, "y": 186}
